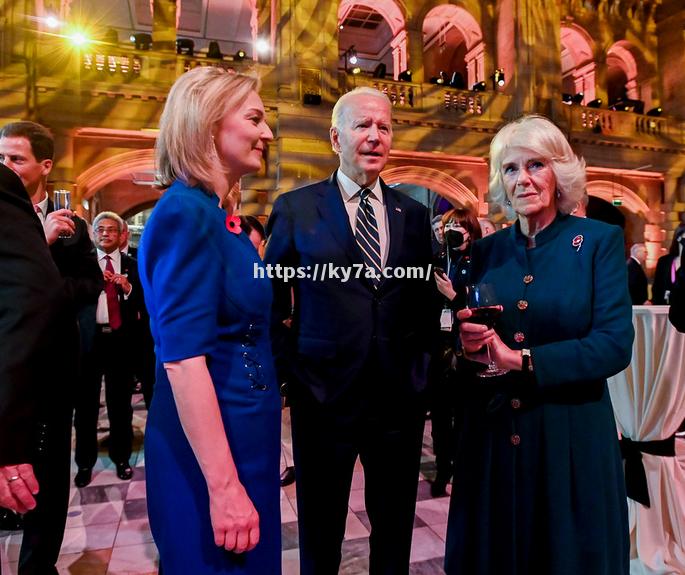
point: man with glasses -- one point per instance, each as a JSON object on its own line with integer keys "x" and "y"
{"x": 117, "y": 312}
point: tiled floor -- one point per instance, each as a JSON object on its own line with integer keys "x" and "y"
{"x": 108, "y": 532}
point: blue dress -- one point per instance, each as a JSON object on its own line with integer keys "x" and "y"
{"x": 206, "y": 298}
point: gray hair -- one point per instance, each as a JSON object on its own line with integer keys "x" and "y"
{"x": 342, "y": 104}
{"x": 109, "y": 216}
{"x": 541, "y": 136}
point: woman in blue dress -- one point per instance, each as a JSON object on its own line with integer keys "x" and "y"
{"x": 212, "y": 439}
{"x": 538, "y": 484}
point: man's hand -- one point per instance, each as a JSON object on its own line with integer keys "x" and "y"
{"x": 18, "y": 485}
{"x": 119, "y": 280}
{"x": 59, "y": 222}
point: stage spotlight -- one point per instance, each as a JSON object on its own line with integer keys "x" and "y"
{"x": 404, "y": 76}
{"x": 356, "y": 70}
{"x": 596, "y": 103}
{"x": 185, "y": 46}
{"x": 141, "y": 40}
{"x": 379, "y": 71}
{"x": 239, "y": 56}
{"x": 213, "y": 50}
{"x": 352, "y": 56}
{"x": 263, "y": 46}
{"x": 577, "y": 98}
{"x": 655, "y": 111}
{"x": 479, "y": 86}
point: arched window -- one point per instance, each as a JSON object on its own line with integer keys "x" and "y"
{"x": 375, "y": 33}
{"x": 453, "y": 46}
{"x": 577, "y": 63}
{"x": 627, "y": 75}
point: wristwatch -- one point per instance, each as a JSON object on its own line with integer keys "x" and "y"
{"x": 526, "y": 361}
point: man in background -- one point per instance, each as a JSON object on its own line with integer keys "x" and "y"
{"x": 637, "y": 279}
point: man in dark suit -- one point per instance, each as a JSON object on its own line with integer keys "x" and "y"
{"x": 34, "y": 334}
{"x": 637, "y": 279}
{"x": 116, "y": 314}
{"x": 359, "y": 348}
{"x": 27, "y": 148}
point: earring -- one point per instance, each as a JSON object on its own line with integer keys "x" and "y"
{"x": 507, "y": 202}
{"x": 558, "y": 194}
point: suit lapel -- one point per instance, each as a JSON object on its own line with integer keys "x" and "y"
{"x": 332, "y": 211}
{"x": 395, "y": 211}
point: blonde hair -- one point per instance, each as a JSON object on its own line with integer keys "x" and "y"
{"x": 342, "y": 104}
{"x": 539, "y": 135}
{"x": 197, "y": 102}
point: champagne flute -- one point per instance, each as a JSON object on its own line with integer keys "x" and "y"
{"x": 62, "y": 201}
{"x": 485, "y": 310}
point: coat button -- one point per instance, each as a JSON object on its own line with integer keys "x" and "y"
{"x": 527, "y": 279}
{"x": 522, "y": 304}
{"x": 515, "y": 439}
{"x": 519, "y": 336}
{"x": 515, "y": 403}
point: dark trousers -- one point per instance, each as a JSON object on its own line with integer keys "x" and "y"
{"x": 446, "y": 420}
{"x": 107, "y": 358}
{"x": 387, "y": 436}
{"x": 44, "y": 525}
{"x": 145, "y": 363}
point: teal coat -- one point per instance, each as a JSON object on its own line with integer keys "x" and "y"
{"x": 539, "y": 484}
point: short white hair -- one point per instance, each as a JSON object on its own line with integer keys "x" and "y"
{"x": 541, "y": 136}
{"x": 342, "y": 104}
{"x": 109, "y": 216}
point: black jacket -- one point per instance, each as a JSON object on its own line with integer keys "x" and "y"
{"x": 32, "y": 309}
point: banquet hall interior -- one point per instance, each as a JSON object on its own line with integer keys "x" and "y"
{"x": 609, "y": 73}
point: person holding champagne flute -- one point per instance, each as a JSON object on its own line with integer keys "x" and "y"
{"x": 538, "y": 484}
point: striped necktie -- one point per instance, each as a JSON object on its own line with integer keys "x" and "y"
{"x": 367, "y": 236}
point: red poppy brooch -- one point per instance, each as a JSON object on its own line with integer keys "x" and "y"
{"x": 577, "y": 242}
{"x": 233, "y": 224}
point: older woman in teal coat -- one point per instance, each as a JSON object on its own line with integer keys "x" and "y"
{"x": 538, "y": 482}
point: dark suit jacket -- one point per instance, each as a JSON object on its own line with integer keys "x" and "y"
{"x": 32, "y": 297}
{"x": 338, "y": 324}
{"x": 676, "y": 312}
{"x": 662, "y": 279}
{"x": 637, "y": 282}
{"x": 76, "y": 260}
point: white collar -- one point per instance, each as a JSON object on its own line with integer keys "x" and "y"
{"x": 350, "y": 188}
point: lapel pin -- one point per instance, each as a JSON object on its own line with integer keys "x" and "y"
{"x": 398, "y": 209}
{"x": 577, "y": 242}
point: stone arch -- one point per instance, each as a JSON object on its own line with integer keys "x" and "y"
{"x": 578, "y": 68}
{"x": 450, "y": 35}
{"x": 440, "y": 182}
{"x": 394, "y": 17}
{"x": 626, "y": 64}
{"x": 114, "y": 168}
{"x": 609, "y": 191}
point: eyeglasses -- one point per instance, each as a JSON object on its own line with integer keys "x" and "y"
{"x": 108, "y": 230}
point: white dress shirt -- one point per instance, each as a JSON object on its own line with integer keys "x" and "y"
{"x": 102, "y": 313}
{"x": 349, "y": 190}
{"x": 43, "y": 207}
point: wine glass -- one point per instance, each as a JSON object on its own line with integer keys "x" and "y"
{"x": 485, "y": 310}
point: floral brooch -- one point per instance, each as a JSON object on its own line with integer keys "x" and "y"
{"x": 577, "y": 242}
{"x": 233, "y": 224}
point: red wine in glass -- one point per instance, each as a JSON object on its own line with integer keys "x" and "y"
{"x": 486, "y": 315}
{"x": 485, "y": 310}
